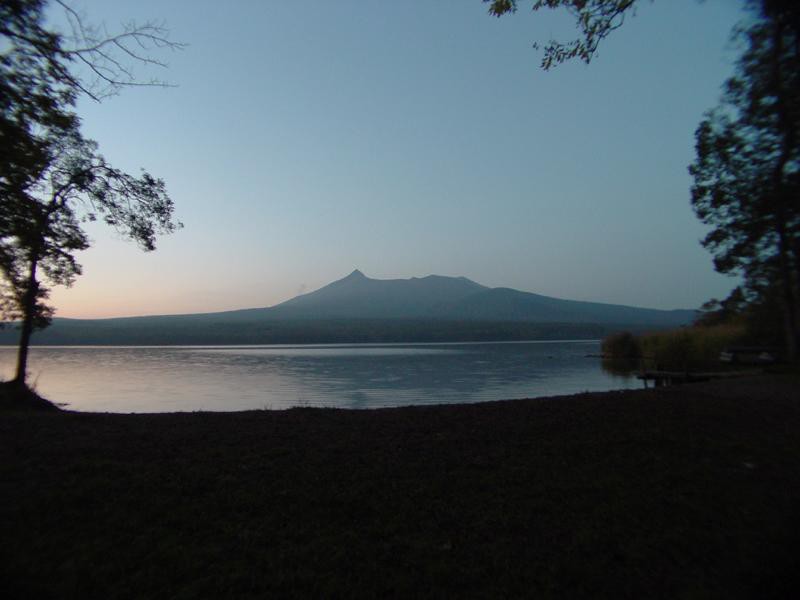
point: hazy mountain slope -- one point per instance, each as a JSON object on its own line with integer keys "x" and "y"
{"x": 512, "y": 305}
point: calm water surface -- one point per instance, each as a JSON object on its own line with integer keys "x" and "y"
{"x": 187, "y": 378}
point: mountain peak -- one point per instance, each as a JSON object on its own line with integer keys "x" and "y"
{"x": 356, "y": 274}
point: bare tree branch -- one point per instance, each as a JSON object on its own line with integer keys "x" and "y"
{"x": 110, "y": 58}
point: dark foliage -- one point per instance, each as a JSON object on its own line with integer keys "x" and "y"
{"x": 595, "y": 19}
{"x": 747, "y": 170}
{"x": 721, "y": 312}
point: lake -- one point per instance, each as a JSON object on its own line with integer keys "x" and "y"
{"x": 190, "y": 378}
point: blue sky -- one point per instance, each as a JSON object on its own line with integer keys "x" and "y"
{"x": 307, "y": 139}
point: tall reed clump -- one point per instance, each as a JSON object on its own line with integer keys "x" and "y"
{"x": 684, "y": 349}
{"x": 689, "y": 348}
{"x": 621, "y": 353}
{"x": 621, "y": 346}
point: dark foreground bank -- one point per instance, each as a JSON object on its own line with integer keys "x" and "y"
{"x": 688, "y": 492}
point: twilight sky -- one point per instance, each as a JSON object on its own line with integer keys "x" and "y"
{"x": 307, "y": 139}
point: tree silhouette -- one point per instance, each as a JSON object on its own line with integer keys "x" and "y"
{"x": 52, "y": 179}
{"x": 747, "y": 170}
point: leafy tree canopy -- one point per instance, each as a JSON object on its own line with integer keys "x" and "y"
{"x": 747, "y": 170}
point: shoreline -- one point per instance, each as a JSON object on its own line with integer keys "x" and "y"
{"x": 136, "y": 379}
{"x": 688, "y": 491}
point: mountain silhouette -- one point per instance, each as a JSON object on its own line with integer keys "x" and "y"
{"x": 439, "y": 297}
{"x": 358, "y": 308}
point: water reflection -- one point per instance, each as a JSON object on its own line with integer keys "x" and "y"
{"x": 159, "y": 379}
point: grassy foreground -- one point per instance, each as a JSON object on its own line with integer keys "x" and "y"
{"x": 686, "y": 492}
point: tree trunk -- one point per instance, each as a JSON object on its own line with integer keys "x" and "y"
{"x": 796, "y": 275}
{"x": 790, "y": 334}
{"x": 789, "y": 299}
{"x": 781, "y": 192}
{"x": 795, "y": 285}
{"x": 28, "y": 315}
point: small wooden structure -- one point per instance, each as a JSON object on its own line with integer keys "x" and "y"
{"x": 661, "y": 378}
